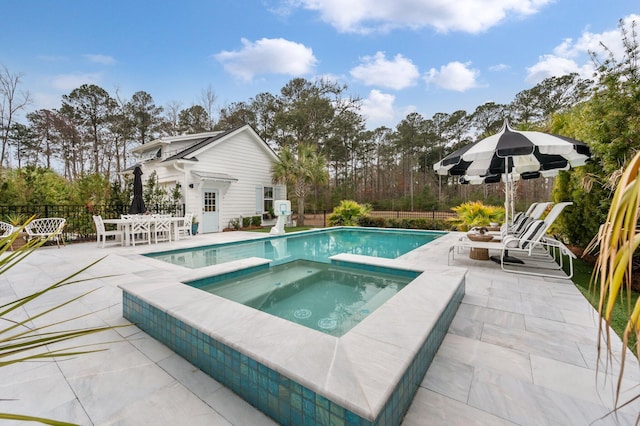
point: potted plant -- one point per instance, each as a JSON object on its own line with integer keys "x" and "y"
{"x": 194, "y": 226}
{"x": 18, "y": 220}
{"x": 476, "y": 214}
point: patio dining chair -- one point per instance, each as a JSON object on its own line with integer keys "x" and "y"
{"x": 102, "y": 233}
{"x": 162, "y": 227}
{"x": 140, "y": 229}
{"x": 184, "y": 227}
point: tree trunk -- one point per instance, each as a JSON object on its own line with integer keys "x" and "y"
{"x": 300, "y": 221}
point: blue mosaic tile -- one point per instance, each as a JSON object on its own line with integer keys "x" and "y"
{"x": 277, "y": 396}
{"x": 322, "y": 402}
{"x": 322, "y": 415}
{"x": 308, "y": 407}
{"x": 296, "y": 417}
{"x": 296, "y": 401}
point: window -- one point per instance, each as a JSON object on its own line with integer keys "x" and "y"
{"x": 267, "y": 197}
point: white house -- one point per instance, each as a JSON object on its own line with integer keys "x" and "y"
{"x": 223, "y": 175}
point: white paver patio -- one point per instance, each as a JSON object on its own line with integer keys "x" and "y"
{"x": 521, "y": 350}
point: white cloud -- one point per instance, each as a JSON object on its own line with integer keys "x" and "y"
{"x": 552, "y": 65}
{"x": 499, "y": 67}
{"x": 68, "y": 82}
{"x": 100, "y": 59}
{"x": 453, "y": 76}
{"x": 573, "y": 56}
{"x": 268, "y": 56}
{"x": 376, "y": 70}
{"x": 378, "y": 108}
{"x": 365, "y": 16}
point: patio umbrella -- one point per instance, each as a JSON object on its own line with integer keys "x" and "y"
{"x": 513, "y": 154}
{"x": 137, "y": 204}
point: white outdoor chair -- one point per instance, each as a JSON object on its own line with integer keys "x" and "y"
{"x": 522, "y": 220}
{"x": 46, "y": 228}
{"x": 184, "y": 227}
{"x": 162, "y": 227}
{"x": 546, "y": 253}
{"x": 5, "y": 229}
{"x": 102, "y": 233}
{"x": 140, "y": 229}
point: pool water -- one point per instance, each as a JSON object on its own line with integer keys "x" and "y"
{"x": 315, "y": 246}
{"x": 325, "y": 297}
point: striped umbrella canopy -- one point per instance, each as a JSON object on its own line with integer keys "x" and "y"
{"x": 514, "y": 154}
{"x": 514, "y": 151}
{"x": 514, "y": 177}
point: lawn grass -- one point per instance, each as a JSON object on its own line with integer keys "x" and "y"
{"x": 620, "y": 315}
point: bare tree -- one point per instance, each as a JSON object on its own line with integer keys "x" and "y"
{"x": 172, "y": 115}
{"x": 208, "y": 98}
{"x": 11, "y": 102}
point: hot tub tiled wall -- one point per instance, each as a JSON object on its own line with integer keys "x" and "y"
{"x": 276, "y": 395}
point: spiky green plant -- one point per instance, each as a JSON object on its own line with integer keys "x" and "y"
{"x": 20, "y": 341}
{"x": 475, "y": 213}
{"x": 617, "y": 240}
{"x": 348, "y": 213}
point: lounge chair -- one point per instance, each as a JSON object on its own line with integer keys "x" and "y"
{"x": 520, "y": 221}
{"x": 542, "y": 252}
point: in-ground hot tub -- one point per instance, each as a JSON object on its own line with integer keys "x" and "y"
{"x": 295, "y": 374}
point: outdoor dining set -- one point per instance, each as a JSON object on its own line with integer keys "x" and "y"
{"x": 135, "y": 229}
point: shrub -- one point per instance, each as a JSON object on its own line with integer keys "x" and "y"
{"x": 475, "y": 213}
{"x": 372, "y": 222}
{"x": 256, "y": 221}
{"x": 348, "y": 213}
{"x": 246, "y": 221}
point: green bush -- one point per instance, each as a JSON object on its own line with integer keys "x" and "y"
{"x": 372, "y": 222}
{"x": 246, "y": 221}
{"x": 475, "y": 213}
{"x": 256, "y": 220}
{"x": 348, "y": 213}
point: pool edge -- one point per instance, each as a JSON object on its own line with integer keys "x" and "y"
{"x": 182, "y": 333}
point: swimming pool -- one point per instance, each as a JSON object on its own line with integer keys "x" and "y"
{"x": 295, "y": 374}
{"x": 329, "y": 298}
{"x": 316, "y": 245}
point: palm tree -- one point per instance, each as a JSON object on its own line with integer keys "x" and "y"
{"x": 302, "y": 172}
{"x": 618, "y": 239}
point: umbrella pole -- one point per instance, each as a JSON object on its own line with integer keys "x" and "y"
{"x": 508, "y": 196}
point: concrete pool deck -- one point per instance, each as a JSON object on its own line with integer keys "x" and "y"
{"x": 520, "y": 350}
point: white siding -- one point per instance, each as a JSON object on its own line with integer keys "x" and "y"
{"x": 244, "y": 158}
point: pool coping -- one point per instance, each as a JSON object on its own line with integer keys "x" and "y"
{"x": 360, "y": 370}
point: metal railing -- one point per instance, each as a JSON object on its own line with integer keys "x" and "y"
{"x": 79, "y": 226}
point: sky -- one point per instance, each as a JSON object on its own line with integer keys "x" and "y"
{"x": 397, "y": 56}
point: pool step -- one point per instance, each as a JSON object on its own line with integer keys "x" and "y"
{"x": 254, "y": 290}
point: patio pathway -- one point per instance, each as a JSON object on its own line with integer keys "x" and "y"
{"x": 521, "y": 350}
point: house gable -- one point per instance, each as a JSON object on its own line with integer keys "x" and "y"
{"x": 193, "y": 151}
{"x": 234, "y": 165}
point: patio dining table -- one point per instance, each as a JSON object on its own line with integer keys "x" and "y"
{"x": 124, "y": 225}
